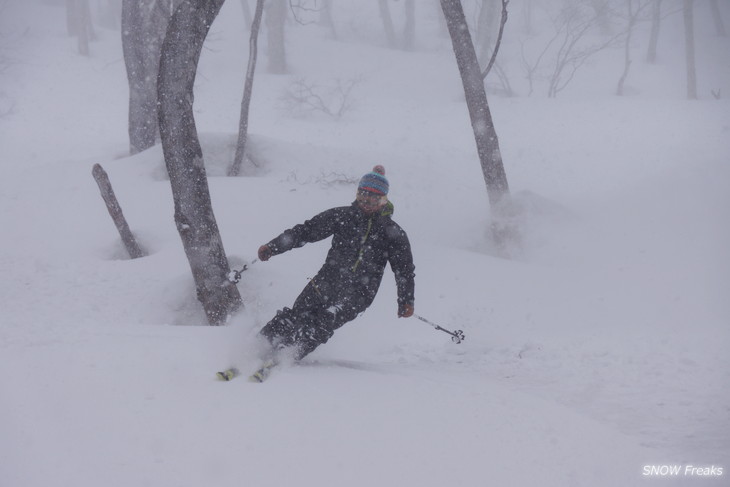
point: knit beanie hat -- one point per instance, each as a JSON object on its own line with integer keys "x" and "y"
{"x": 375, "y": 181}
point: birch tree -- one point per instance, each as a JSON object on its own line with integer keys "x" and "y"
{"x": 144, "y": 23}
{"x": 194, "y": 216}
{"x": 634, "y": 9}
{"x": 387, "y": 19}
{"x": 241, "y": 144}
{"x": 485, "y": 135}
{"x": 276, "y": 11}
{"x": 689, "y": 45}
{"x": 78, "y": 23}
{"x": 409, "y": 28}
{"x": 408, "y": 40}
{"x": 656, "y": 22}
{"x": 717, "y": 17}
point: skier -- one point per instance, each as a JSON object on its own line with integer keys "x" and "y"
{"x": 364, "y": 239}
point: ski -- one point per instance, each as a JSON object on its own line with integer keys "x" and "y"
{"x": 260, "y": 375}
{"x": 228, "y": 374}
{"x": 263, "y": 372}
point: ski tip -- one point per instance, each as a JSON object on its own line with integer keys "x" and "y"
{"x": 263, "y": 373}
{"x": 260, "y": 375}
{"x": 227, "y": 375}
{"x": 257, "y": 378}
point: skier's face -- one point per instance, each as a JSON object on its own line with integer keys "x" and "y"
{"x": 370, "y": 202}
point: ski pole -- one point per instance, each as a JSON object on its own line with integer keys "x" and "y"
{"x": 235, "y": 275}
{"x": 457, "y": 336}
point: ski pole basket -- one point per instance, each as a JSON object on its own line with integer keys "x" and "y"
{"x": 457, "y": 336}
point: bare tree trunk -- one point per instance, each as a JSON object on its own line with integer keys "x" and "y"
{"x": 387, "y": 23}
{"x": 235, "y": 168}
{"x": 115, "y": 211}
{"x": 144, "y": 23}
{"x": 409, "y": 31}
{"x": 485, "y": 135}
{"x": 90, "y": 31}
{"x": 78, "y": 23}
{"x": 275, "y": 20}
{"x": 83, "y": 26}
{"x": 142, "y": 123}
{"x": 632, "y": 19}
{"x": 194, "y": 216}
{"x": 500, "y": 33}
{"x": 627, "y": 59}
{"x": 717, "y": 16}
{"x": 504, "y": 229}
{"x": 656, "y": 21}
{"x": 484, "y": 28}
{"x": 72, "y": 17}
{"x": 689, "y": 42}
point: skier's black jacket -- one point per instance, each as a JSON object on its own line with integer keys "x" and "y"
{"x": 361, "y": 246}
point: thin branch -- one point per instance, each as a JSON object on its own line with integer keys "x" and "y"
{"x": 502, "y": 22}
{"x": 532, "y": 68}
{"x": 299, "y": 6}
{"x": 304, "y": 97}
{"x": 247, "y": 91}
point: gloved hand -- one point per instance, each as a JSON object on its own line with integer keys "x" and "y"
{"x": 405, "y": 310}
{"x": 265, "y": 253}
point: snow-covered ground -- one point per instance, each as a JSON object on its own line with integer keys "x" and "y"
{"x": 599, "y": 350}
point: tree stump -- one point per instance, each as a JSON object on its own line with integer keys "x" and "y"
{"x": 115, "y": 211}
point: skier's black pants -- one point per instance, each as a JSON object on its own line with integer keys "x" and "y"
{"x": 317, "y": 312}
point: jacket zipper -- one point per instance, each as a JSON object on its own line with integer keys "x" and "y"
{"x": 362, "y": 245}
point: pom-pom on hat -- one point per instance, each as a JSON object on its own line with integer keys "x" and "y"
{"x": 374, "y": 181}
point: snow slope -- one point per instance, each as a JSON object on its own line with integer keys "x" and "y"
{"x": 598, "y": 350}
